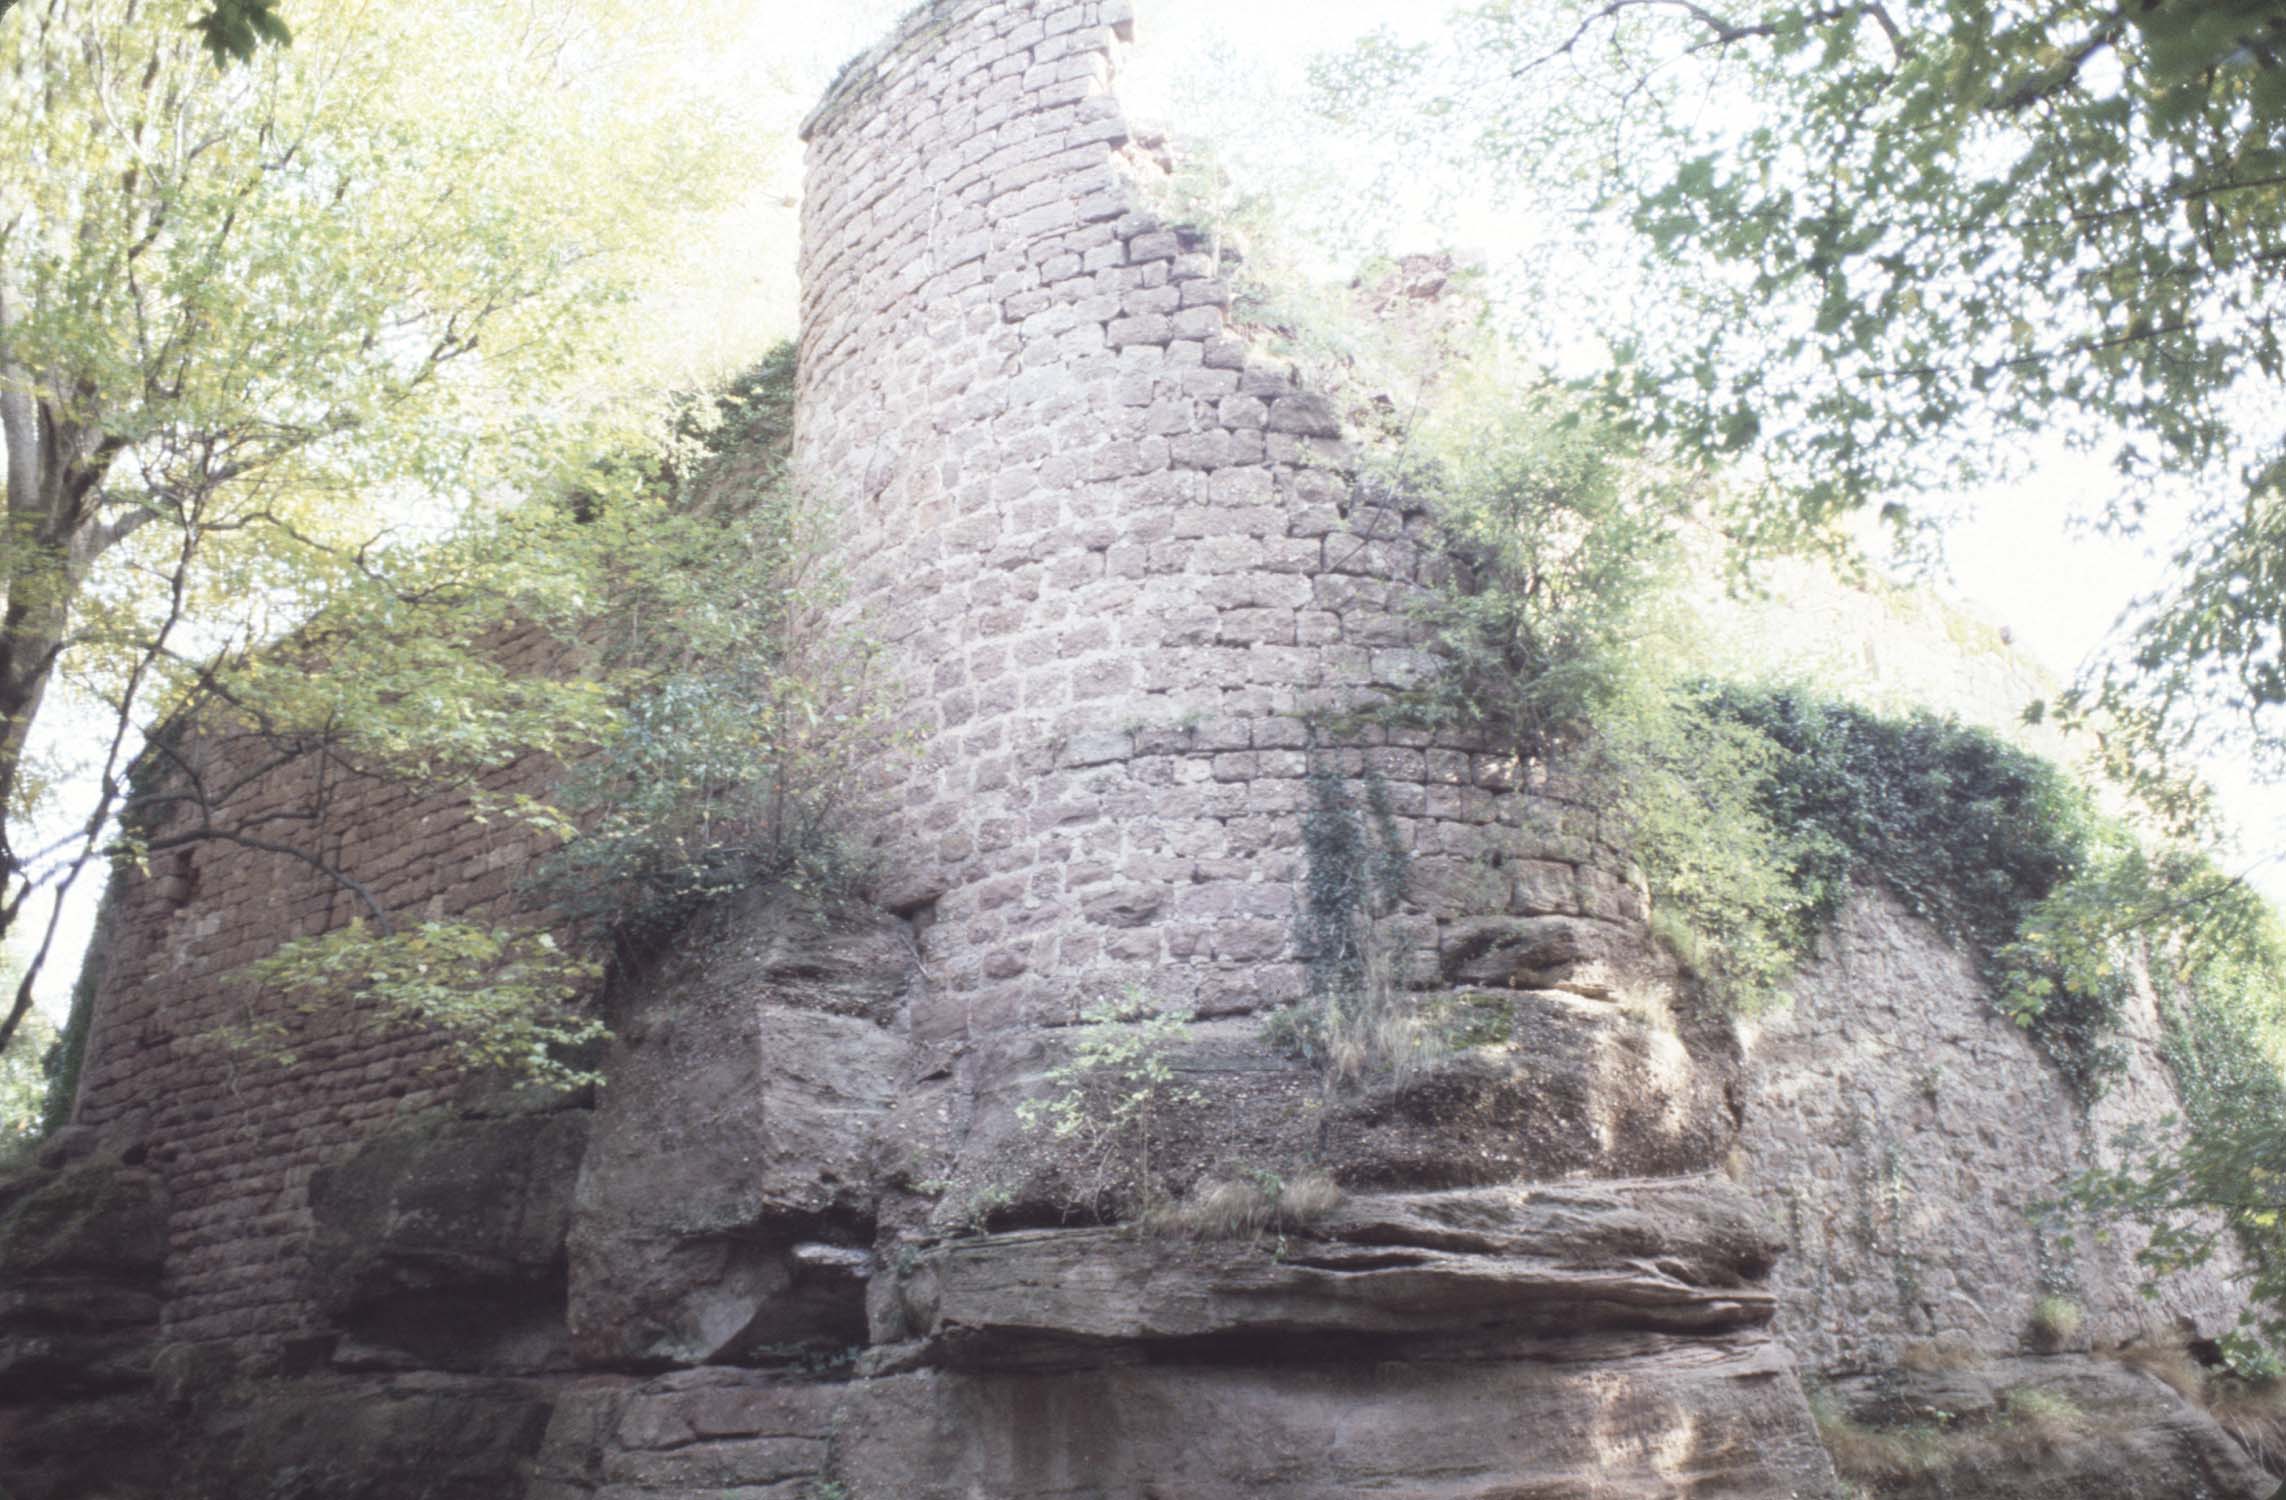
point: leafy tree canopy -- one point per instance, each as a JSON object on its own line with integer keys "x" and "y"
{"x": 232, "y": 29}
{"x": 1880, "y": 242}
{"x": 267, "y": 331}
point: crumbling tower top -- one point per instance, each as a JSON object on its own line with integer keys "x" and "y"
{"x": 1112, "y": 550}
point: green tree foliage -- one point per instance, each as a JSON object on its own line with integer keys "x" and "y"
{"x": 24, "y": 1086}
{"x": 707, "y": 721}
{"x": 266, "y": 332}
{"x": 2216, "y": 1174}
{"x": 502, "y": 998}
{"x": 234, "y": 28}
{"x": 740, "y": 714}
{"x": 1559, "y": 552}
{"x": 1877, "y": 243}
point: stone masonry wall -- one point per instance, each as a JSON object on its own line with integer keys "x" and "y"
{"x": 237, "y": 1136}
{"x": 1898, "y": 1132}
{"x": 1116, "y": 558}
{"x": 1112, "y": 551}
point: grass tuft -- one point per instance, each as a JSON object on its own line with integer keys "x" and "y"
{"x": 2055, "y": 1322}
{"x": 1933, "y": 1356}
{"x": 2254, "y": 1413}
{"x": 2169, "y": 1364}
{"x": 1242, "y": 1208}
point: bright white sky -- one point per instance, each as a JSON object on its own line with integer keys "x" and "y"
{"x": 1233, "y": 73}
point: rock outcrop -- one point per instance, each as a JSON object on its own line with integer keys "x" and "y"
{"x": 726, "y": 1207}
{"x": 2039, "y": 1429}
{"x": 83, "y": 1247}
{"x": 1475, "y": 1267}
{"x": 441, "y": 1246}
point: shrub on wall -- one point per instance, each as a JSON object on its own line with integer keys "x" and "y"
{"x": 1752, "y": 811}
{"x": 1111, "y": 1096}
{"x": 1557, "y": 555}
{"x": 741, "y": 712}
{"x": 708, "y": 719}
{"x": 1686, "y": 791}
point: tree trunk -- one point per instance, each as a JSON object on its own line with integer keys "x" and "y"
{"x": 55, "y": 470}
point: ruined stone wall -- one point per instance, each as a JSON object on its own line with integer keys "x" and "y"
{"x": 1899, "y": 1131}
{"x": 1112, "y": 551}
{"x": 1114, "y": 557}
{"x": 236, "y": 1135}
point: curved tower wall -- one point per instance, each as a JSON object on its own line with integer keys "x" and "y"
{"x": 1111, "y": 551}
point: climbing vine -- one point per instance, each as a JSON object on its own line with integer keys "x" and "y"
{"x": 1988, "y": 843}
{"x": 1356, "y": 1020}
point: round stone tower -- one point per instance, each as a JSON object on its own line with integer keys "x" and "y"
{"x": 1112, "y": 553}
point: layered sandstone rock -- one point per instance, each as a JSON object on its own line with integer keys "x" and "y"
{"x": 82, "y": 1247}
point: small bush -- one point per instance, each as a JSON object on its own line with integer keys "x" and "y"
{"x": 1685, "y": 788}
{"x": 2055, "y": 1322}
{"x": 1557, "y": 554}
{"x": 2025, "y": 1424}
{"x": 1111, "y": 1097}
{"x": 741, "y": 715}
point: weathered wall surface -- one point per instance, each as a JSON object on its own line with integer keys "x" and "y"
{"x": 237, "y": 1135}
{"x": 1899, "y": 1129}
{"x": 1113, "y": 552}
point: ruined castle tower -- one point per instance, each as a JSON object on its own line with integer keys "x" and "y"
{"x": 803, "y": 1245}
{"x": 1111, "y": 548}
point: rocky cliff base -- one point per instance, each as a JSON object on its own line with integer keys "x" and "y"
{"x": 765, "y": 1265}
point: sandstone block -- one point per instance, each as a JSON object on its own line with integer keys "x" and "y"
{"x": 444, "y": 1239}
{"x": 724, "y": 1233}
